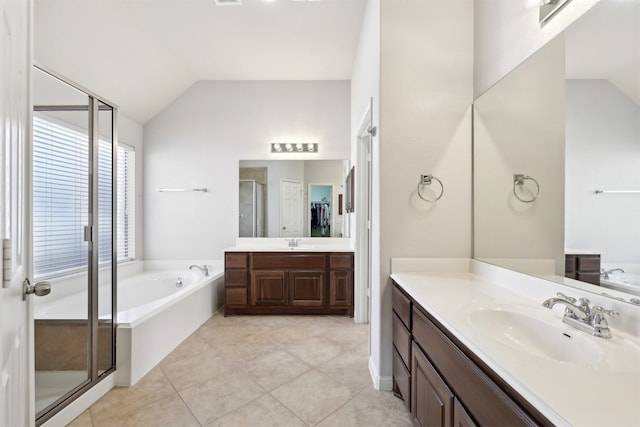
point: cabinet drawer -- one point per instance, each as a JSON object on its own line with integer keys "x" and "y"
{"x": 341, "y": 261}
{"x": 593, "y": 278}
{"x": 401, "y": 305}
{"x": 471, "y": 385}
{"x": 236, "y": 260}
{"x": 402, "y": 340}
{"x": 286, "y": 261}
{"x": 236, "y": 296}
{"x": 236, "y": 278}
{"x": 402, "y": 379}
{"x": 588, "y": 264}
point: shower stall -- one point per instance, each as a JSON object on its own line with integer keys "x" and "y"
{"x": 251, "y": 209}
{"x": 73, "y": 238}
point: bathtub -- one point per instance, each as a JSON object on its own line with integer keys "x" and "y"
{"x": 627, "y": 282}
{"x": 155, "y": 313}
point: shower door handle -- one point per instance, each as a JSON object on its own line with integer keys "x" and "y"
{"x": 40, "y": 289}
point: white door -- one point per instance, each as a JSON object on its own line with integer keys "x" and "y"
{"x": 16, "y": 323}
{"x": 290, "y": 208}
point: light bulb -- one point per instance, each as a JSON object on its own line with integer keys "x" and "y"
{"x": 311, "y": 148}
{"x": 288, "y": 147}
{"x": 299, "y": 147}
{"x": 277, "y": 147}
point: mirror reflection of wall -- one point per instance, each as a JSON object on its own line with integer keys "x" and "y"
{"x": 282, "y": 208}
{"x": 570, "y": 117}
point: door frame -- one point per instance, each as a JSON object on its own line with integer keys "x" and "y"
{"x": 363, "y": 245}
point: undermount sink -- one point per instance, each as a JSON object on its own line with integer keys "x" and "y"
{"x": 536, "y": 337}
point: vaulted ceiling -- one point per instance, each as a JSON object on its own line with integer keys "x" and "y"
{"x": 142, "y": 54}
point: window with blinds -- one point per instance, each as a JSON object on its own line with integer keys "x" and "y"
{"x": 61, "y": 198}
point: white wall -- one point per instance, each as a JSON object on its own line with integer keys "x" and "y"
{"x": 425, "y": 128}
{"x": 365, "y": 88}
{"x": 519, "y": 129}
{"x": 603, "y": 152}
{"x": 506, "y": 32}
{"x": 198, "y": 140}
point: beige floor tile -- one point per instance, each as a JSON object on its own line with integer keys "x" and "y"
{"x": 371, "y": 408}
{"x": 313, "y": 396}
{"x": 82, "y": 420}
{"x": 264, "y": 412}
{"x": 350, "y": 368}
{"x": 192, "y": 346}
{"x": 170, "y": 411}
{"x": 122, "y": 400}
{"x": 271, "y": 370}
{"x": 221, "y": 395}
{"x": 245, "y": 349}
{"x": 198, "y": 369}
{"x": 348, "y": 335}
{"x": 217, "y": 334}
{"x": 314, "y": 350}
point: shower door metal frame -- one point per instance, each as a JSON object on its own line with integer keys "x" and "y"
{"x": 93, "y": 108}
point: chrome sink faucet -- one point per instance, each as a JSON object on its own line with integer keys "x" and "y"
{"x": 204, "y": 268}
{"x": 293, "y": 243}
{"x": 583, "y": 317}
{"x": 605, "y": 273}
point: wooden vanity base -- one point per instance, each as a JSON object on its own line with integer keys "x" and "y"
{"x": 289, "y": 283}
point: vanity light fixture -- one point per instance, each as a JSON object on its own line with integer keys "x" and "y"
{"x": 294, "y": 147}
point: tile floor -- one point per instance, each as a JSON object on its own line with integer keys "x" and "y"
{"x": 257, "y": 371}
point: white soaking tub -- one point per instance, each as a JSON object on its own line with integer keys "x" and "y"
{"x": 155, "y": 312}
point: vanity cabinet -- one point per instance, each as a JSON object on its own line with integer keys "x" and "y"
{"x": 583, "y": 267}
{"x": 449, "y": 384}
{"x": 289, "y": 283}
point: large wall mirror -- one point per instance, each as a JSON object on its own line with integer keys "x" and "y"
{"x": 292, "y": 198}
{"x": 557, "y": 157}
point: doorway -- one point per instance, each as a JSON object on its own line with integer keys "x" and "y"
{"x": 320, "y": 210}
{"x": 73, "y": 240}
{"x": 363, "y": 217}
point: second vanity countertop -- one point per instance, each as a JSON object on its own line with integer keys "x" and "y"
{"x": 280, "y": 244}
{"x": 599, "y": 391}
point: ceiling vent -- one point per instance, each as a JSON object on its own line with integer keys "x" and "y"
{"x": 228, "y": 2}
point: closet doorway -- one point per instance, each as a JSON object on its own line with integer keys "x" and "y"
{"x": 321, "y": 210}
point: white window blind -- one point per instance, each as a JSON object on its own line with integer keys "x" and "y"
{"x": 126, "y": 202}
{"x": 60, "y": 199}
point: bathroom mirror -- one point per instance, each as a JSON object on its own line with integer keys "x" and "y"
{"x": 557, "y": 157}
{"x": 278, "y": 198}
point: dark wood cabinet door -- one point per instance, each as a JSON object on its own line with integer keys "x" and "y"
{"x": 307, "y": 288}
{"x": 431, "y": 399}
{"x": 341, "y": 288}
{"x": 269, "y": 287}
{"x": 460, "y": 416}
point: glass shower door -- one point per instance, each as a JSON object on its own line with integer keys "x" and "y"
{"x": 74, "y": 148}
{"x": 61, "y": 149}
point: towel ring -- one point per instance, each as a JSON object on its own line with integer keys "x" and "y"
{"x": 426, "y": 180}
{"x": 519, "y": 179}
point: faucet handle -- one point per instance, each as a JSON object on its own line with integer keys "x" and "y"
{"x": 598, "y": 309}
{"x": 566, "y": 298}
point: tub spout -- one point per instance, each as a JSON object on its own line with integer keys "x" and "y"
{"x": 204, "y": 268}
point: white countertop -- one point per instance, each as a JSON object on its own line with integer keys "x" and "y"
{"x": 601, "y": 393}
{"x": 280, "y": 244}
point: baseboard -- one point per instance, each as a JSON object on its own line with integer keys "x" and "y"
{"x": 380, "y": 383}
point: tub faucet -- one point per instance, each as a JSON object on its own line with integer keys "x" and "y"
{"x": 587, "y": 319}
{"x": 204, "y": 268}
{"x": 605, "y": 273}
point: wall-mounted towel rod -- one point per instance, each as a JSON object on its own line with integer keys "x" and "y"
{"x": 617, "y": 191}
{"x": 180, "y": 190}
